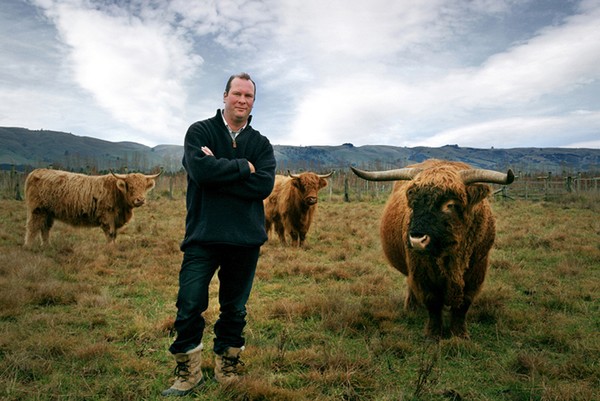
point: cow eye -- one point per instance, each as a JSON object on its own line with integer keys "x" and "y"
{"x": 449, "y": 207}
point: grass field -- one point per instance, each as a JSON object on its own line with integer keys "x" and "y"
{"x": 81, "y": 320}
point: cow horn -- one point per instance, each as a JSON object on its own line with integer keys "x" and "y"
{"x": 124, "y": 176}
{"x": 407, "y": 173}
{"x": 472, "y": 176}
{"x": 318, "y": 175}
{"x": 153, "y": 176}
{"x": 119, "y": 176}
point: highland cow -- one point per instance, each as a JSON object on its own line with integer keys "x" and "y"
{"x": 437, "y": 229}
{"x": 291, "y": 206}
{"x": 106, "y": 201}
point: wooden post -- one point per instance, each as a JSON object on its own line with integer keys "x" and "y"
{"x": 569, "y": 184}
{"x": 346, "y": 195}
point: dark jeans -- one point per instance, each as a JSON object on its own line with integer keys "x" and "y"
{"x": 236, "y": 274}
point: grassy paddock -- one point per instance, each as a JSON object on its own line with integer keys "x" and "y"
{"x": 81, "y": 320}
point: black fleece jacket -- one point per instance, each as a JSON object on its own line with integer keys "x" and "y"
{"x": 224, "y": 200}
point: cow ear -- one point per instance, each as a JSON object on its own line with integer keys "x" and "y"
{"x": 322, "y": 182}
{"x": 121, "y": 185}
{"x": 150, "y": 183}
{"x": 477, "y": 192}
{"x": 296, "y": 182}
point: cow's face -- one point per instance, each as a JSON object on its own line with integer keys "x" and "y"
{"x": 439, "y": 216}
{"x": 433, "y": 211}
{"x": 134, "y": 187}
{"x": 309, "y": 184}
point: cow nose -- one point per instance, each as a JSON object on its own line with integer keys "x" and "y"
{"x": 419, "y": 243}
{"x": 139, "y": 201}
{"x": 311, "y": 200}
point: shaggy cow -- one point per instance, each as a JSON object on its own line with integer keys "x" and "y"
{"x": 292, "y": 204}
{"x": 80, "y": 200}
{"x": 437, "y": 229}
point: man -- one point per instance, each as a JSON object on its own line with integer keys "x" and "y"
{"x": 230, "y": 170}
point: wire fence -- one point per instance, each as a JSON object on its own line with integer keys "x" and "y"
{"x": 345, "y": 186}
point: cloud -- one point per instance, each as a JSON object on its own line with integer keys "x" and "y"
{"x": 557, "y": 59}
{"x": 382, "y": 72}
{"x": 135, "y": 69}
{"x": 450, "y": 104}
{"x": 522, "y": 132}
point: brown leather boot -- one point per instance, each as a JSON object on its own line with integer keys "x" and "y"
{"x": 188, "y": 374}
{"x": 227, "y": 365}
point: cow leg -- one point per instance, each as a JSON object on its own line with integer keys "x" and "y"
{"x": 433, "y": 328}
{"x": 110, "y": 232}
{"x": 458, "y": 326}
{"x": 280, "y": 232}
{"x": 38, "y": 222}
{"x": 268, "y": 225}
{"x": 473, "y": 280}
{"x": 410, "y": 302}
{"x": 32, "y": 229}
{"x": 301, "y": 238}
{"x": 46, "y": 226}
{"x": 295, "y": 238}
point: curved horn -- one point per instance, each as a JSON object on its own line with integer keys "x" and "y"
{"x": 389, "y": 175}
{"x": 472, "y": 176}
{"x": 318, "y": 175}
{"x": 153, "y": 176}
{"x": 124, "y": 176}
{"x": 119, "y": 176}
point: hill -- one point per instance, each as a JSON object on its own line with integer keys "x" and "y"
{"x": 23, "y": 148}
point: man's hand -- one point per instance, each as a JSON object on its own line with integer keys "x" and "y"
{"x": 209, "y": 152}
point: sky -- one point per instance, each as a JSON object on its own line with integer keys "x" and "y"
{"x": 472, "y": 73}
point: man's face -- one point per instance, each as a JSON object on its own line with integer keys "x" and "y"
{"x": 239, "y": 100}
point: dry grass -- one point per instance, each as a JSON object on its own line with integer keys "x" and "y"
{"x": 84, "y": 320}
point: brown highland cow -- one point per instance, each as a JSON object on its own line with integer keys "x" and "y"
{"x": 437, "y": 229}
{"x": 292, "y": 205}
{"x": 81, "y": 200}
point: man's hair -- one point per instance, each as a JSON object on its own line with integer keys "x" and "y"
{"x": 241, "y": 75}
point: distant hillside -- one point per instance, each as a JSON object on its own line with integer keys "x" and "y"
{"x": 23, "y": 148}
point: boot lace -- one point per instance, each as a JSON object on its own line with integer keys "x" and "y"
{"x": 230, "y": 365}
{"x": 182, "y": 371}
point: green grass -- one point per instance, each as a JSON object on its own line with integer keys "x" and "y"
{"x": 81, "y": 320}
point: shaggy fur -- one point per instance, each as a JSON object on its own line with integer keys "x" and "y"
{"x": 81, "y": 200}
{"x": 292, "y": 204}
{"x": 459, "y": 221}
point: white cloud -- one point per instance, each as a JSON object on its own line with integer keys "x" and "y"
{"x": 135, "y": 69}
{"x": 381, "y": 72}
{"x": 391, "y": 108}
{"x": 558, "y": 59}
{"x": 520, "y": 132}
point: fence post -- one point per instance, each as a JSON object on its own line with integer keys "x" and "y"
{"x": 18, "y": 192}
{"x": 546, "y": 184}
{"x": 569, "y": 182}
{"x": 346, "y": 195}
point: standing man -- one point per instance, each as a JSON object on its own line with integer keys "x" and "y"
{"x": 230, "y": 170}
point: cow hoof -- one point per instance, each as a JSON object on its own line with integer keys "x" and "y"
{"x": 433, "y": 332}
{"x": 464, "y": 334}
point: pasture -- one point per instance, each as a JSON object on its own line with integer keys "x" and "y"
{"x": 83, "y": 320}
